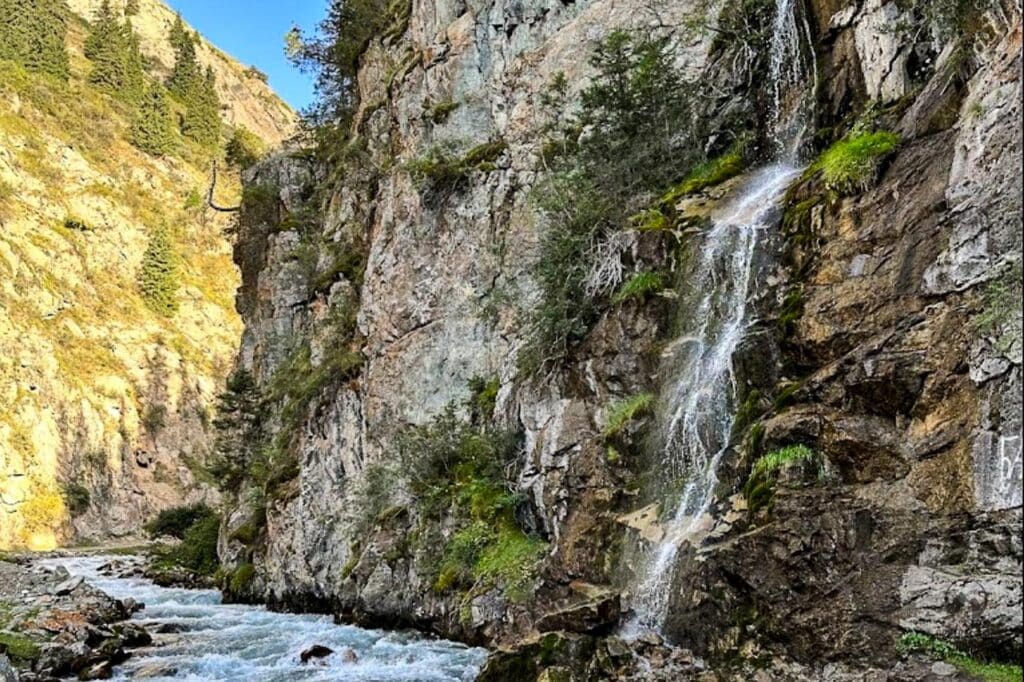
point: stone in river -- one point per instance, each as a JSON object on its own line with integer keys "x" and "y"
{"x": 315, "y": 651}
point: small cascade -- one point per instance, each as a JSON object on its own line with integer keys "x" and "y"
{"x": 792, "y": 72}
{"x": 700, "y": 397}
{"x": 698, "y": 402}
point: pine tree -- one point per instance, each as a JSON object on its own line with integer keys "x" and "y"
{"x": 240, "y": 416}
{"x": 186, "y": 77}
{"x": 202, "y": 116}
{"x": 158, "y": 275}
{"x": 179, "y": 34}
{"x": 131, "y": 8}
{"x": 102, "y": 32}
{"x": 134, "y": 67}
{"x": 118, "y": 65}
{"x": 33, "y": 33}
{"x": 153, "y": 129}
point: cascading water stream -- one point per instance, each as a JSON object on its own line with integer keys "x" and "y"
{"x": 698, "y": 404}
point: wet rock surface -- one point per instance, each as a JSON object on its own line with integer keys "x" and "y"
{"x": 54, "y": 625}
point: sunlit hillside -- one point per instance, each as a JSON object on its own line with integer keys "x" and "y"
{"x": 105, "y": 401}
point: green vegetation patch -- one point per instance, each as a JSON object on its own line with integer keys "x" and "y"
{"x": 456, "y": 471}
{"x": 916, "y": 642}
{"x": 440, "y": 112}
{"x": 639, "y": 286}
{"x": 760, "y": 487}
{"x": 176, "y": 521}
{"x": 1000, "y": 314}
{"x": 852, "y": 164}
{"x": 438, "y": 171}
{"x": 244, "y": 149}
{"x": 773, "y": 462}
{"x": 76, "y": 498}
{"x": 197, "y": 551}
{"x": 159, "y": 275}
{"x": 18, "y": 646}
{"x": 710, "y": 173}
{"x": 624, "y": 413}
{"x": 242, "y": 577}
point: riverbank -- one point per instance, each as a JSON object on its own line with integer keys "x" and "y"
{"x": 54, "y": 624}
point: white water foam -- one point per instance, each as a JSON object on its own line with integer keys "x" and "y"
{"x": 235, "y": 643}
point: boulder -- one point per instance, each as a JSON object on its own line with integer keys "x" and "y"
{"x": 595, "y": 609}
{"x": 316, "y": 651}
{"x": 102, "y": 670}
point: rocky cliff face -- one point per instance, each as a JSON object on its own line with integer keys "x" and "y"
{"x": 886, "y": 341}
{"x": 105, "y": 406}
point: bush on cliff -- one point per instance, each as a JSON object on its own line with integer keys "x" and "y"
{"x": 244, "y": 148}
{"x": 176, "y": 521}
{"x": 197, "y": 551}
{"x": 625, "y": 146}
{"x": 458, "y": 473}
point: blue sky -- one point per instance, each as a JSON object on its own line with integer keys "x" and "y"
{"x": 253, "y": 31}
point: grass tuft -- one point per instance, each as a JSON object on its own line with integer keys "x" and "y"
{"x": 640, "y": 285}
{"x": 775, "y": 461}
{"x": 851, "y": 165}
{"x": 623, "y": 413}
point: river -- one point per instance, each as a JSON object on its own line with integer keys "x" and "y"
{"x": 235, "y": 643}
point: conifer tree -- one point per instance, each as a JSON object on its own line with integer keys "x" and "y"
{"x": 202, "y": 116}
{"x": 134, "y": 67}
{"x": 186, "y": 77}
{"x": 153, "y": 129}
{"x": 131, "y": 8}
{"x": 158, "y": 275}
{"x": 103, "y": 30}
{"x": 118, "y": 66}
{"x": 33, "y": 33}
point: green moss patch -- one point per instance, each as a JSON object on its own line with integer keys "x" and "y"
{"x": 852, "y": 164}
{"x": 708, "y": 174}
{"x": 18, "y": 647}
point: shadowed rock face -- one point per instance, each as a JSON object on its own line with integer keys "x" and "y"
{"x": 906, "y": 400}
{"x": 884, "y": 373}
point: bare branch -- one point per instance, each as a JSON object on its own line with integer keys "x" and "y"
{"x": 213, "y": 186}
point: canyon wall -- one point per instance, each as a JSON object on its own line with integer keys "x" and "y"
{"x": 887, "y": 340}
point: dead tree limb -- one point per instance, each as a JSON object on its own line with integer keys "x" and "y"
{"x": 213, "y": 186}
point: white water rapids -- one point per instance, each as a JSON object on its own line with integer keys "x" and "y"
{"x": 234, "y": 643}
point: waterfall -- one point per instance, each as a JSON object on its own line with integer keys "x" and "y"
{"x": 791, "y": 66}
{"x": 698, "y": 401}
